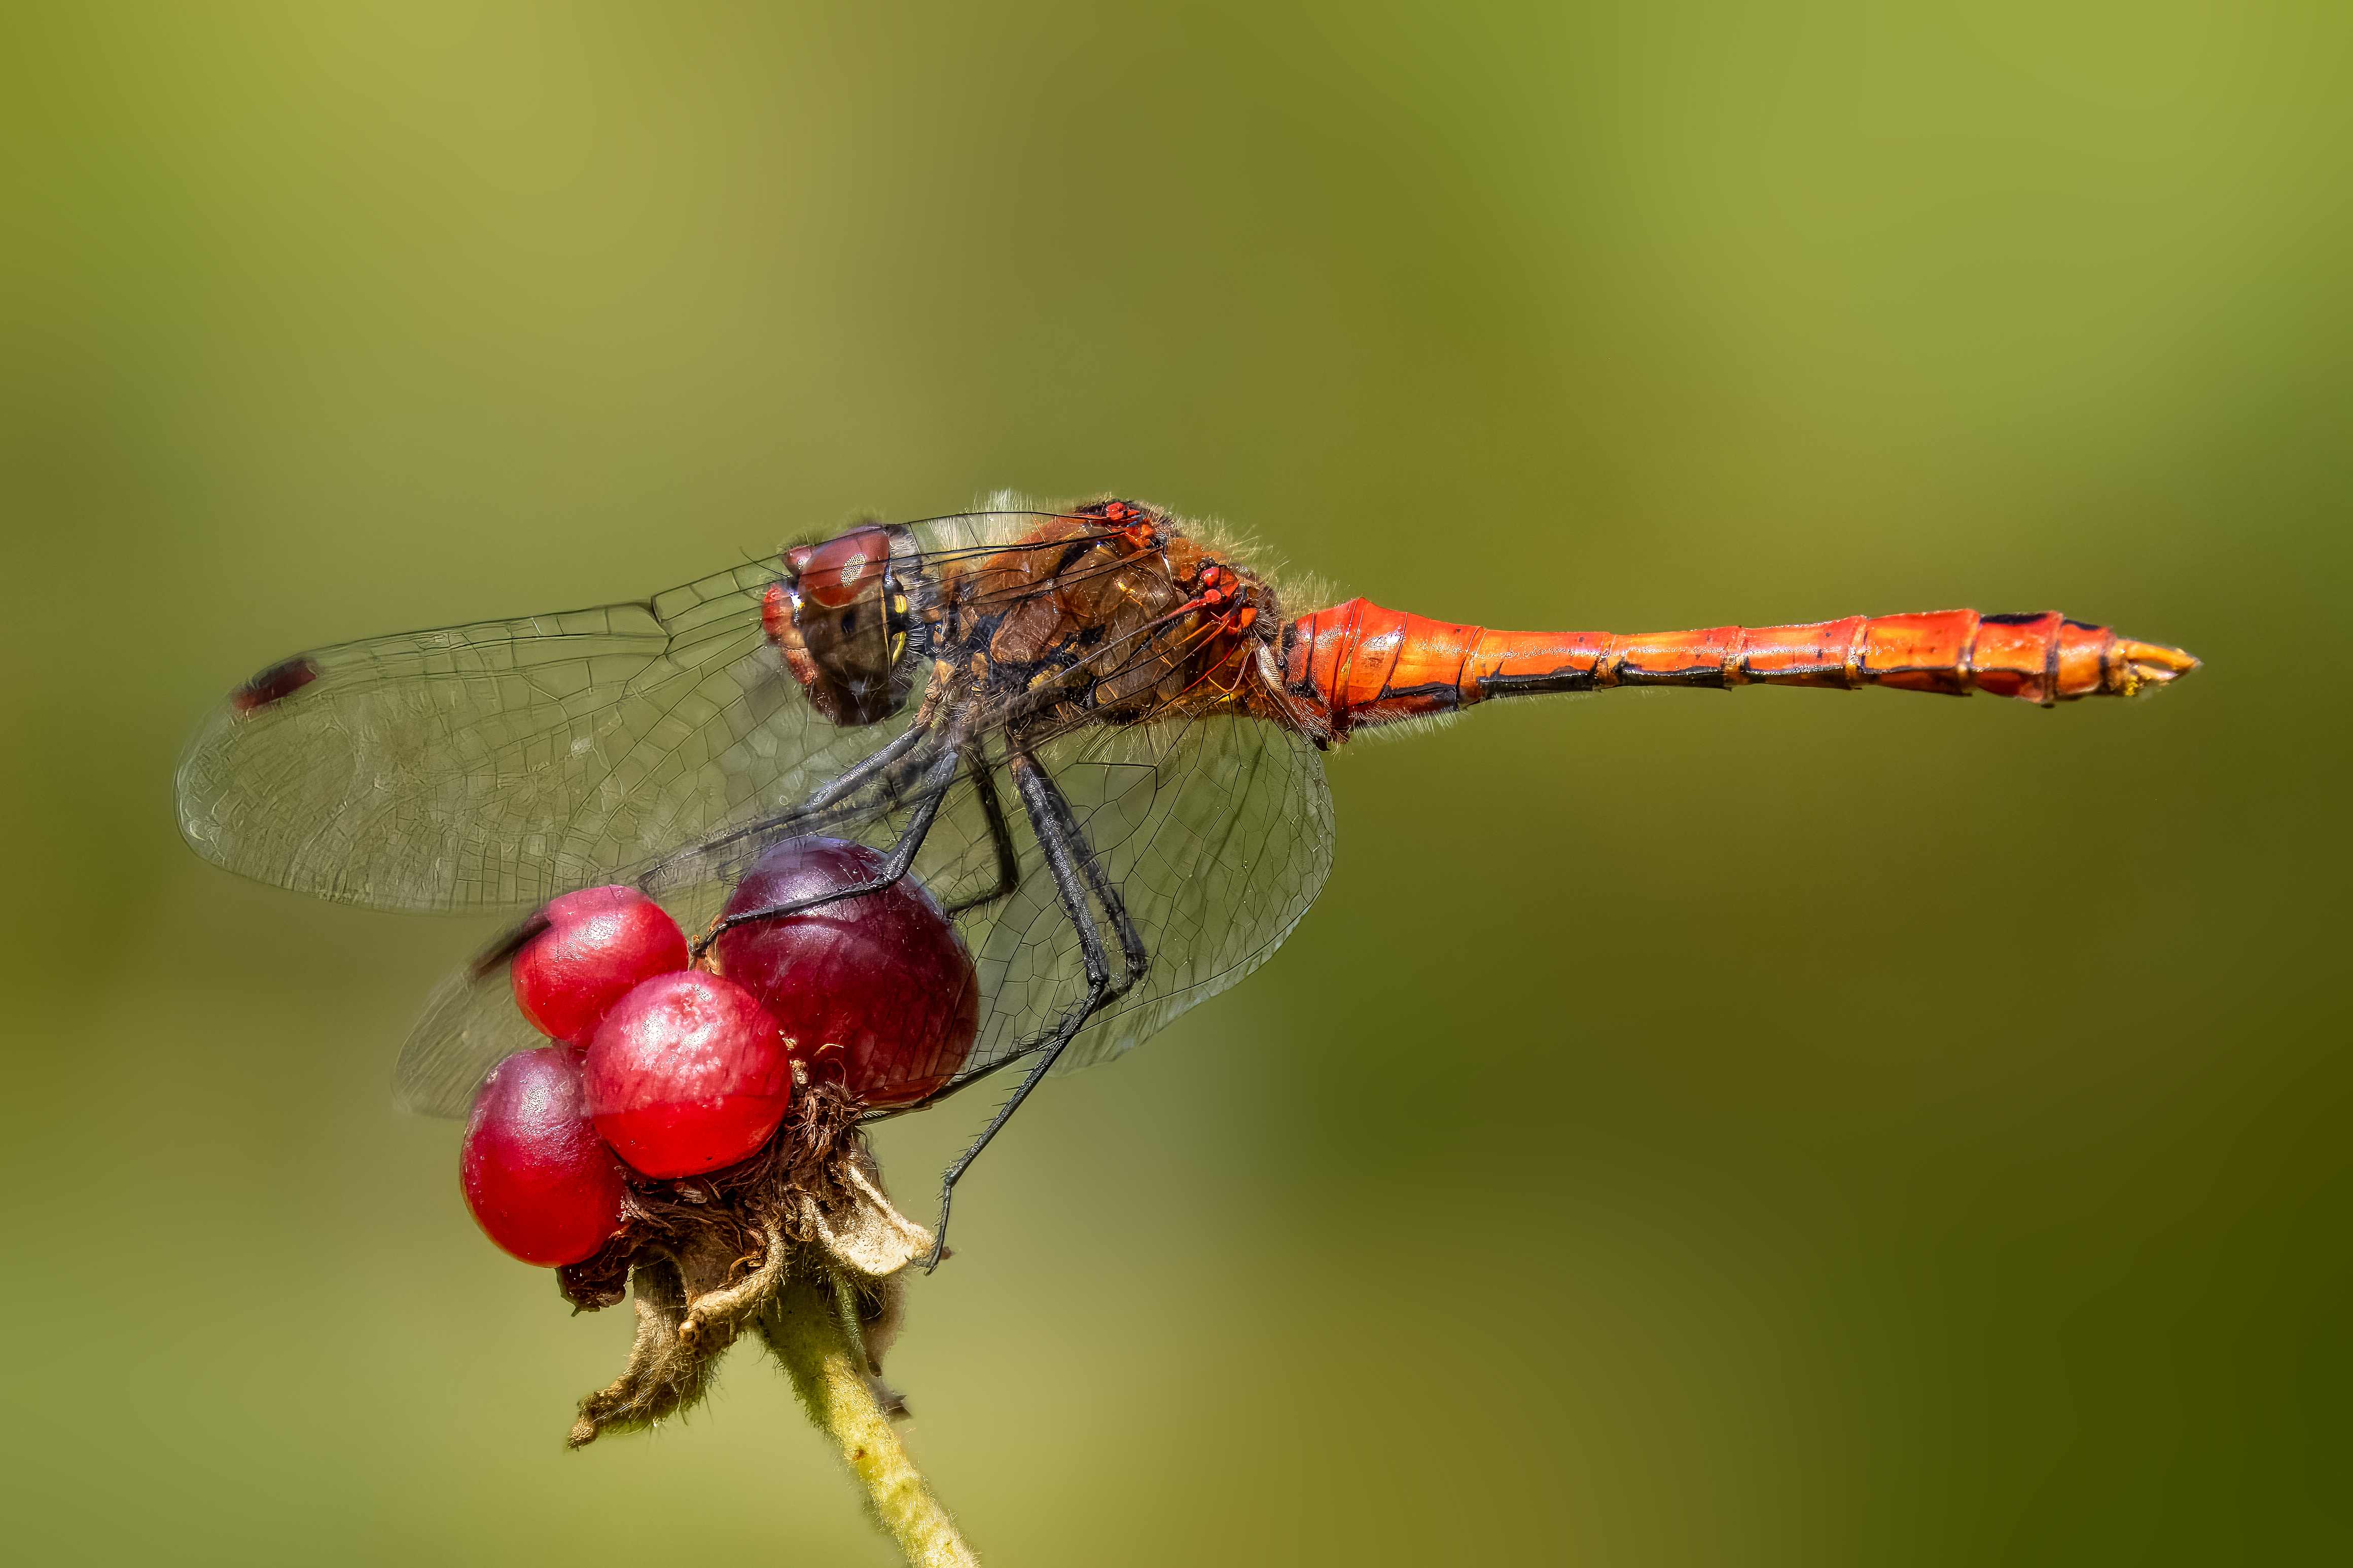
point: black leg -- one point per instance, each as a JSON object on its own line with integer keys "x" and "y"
{"x": 1000, "y": 834}
{"x": 1075, "y": 872}
{"x": 696, "y": 860}
{"x": 857, "y": 773}
{"x": 1051, "y": 799}
{"x": 930, "y": 791}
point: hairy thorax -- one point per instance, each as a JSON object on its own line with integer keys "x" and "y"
{"x": 1108, "y": 613}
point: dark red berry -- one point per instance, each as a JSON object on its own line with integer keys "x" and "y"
{"x": 687, "y": 1073}
{"x": 599, "y": 944}
{"x": 875, "y": 992}
{"x": 540, "y": 1180}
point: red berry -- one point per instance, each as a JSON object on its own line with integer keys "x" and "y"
{"x": 687, "y": 1073}
{"x": 599, "y": 942}
{"x": 875, "y": 992}
{"x": 540, "y": 1182}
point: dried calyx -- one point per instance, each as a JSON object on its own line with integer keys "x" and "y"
{"x": 713, "y": 1254}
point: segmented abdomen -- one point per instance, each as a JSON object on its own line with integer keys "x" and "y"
{"x": 1366, "y": 665}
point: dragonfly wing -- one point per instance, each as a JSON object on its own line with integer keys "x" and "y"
{"x": 471, "y": 1026}
{"x": 497, "y": 764}
{"x": 472, "y": 1023}
{"x": 1215, "y": 831}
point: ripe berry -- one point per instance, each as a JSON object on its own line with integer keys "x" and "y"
{"x": 599, "y": 942}
{"x": 875, "y": 992}
{"x": 540, "y": 1182}
{"x": 687, "y": 1073}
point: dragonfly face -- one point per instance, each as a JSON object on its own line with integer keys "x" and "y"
{"x": 844, "y": 622}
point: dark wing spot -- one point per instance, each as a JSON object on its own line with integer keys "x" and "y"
{"x": 514, "y": 942}
{"x": 273, "y": 685}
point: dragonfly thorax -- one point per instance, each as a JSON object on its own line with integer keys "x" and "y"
{"x": 1104, "y": 613}
{"x": 1108, "y": 613}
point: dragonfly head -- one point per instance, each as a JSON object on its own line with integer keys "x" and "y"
{"x": 843, "y": 619}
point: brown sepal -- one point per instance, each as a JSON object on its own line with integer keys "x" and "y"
{"x": 707, "y": 1254}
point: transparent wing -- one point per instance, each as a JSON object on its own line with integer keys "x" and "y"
{"x": 497, "y": 764}
{"x": 1218, "y": 835}
{"x": 469, "y": 1026}
{"x": 1217, "y": 832}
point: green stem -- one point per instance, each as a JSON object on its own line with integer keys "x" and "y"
{"x": 805, "y": 1333}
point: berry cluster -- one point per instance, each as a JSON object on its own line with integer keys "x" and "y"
{"x": 662, "y": 1071}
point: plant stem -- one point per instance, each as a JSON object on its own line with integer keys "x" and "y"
{"x": 805, "y": 1333}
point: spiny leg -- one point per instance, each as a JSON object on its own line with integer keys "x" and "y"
{"x": 1000, "y": 834}
{"x": 1074, "y": 870}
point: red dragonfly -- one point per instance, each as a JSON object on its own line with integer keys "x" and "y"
{"x": 1154, "y": 706}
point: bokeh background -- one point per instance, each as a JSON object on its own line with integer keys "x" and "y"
{"x": 1650, "y": 1151}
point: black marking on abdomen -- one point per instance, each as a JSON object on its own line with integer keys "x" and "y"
{"x": 1433, "y": 690}
{"x": 1691, "y": 674}
{"x": 1535, "y": 684}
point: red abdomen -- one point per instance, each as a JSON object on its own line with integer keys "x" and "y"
{"x": 1361, "y": 664}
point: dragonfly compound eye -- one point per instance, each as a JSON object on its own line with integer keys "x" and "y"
{"x": 843, "y": 621}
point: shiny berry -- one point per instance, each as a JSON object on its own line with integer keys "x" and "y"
{"x": 540, "y": 1180}
{"x": 687, "y": 1073}
{"x": 599, "y": 942}
{"x": 875, "y": 992}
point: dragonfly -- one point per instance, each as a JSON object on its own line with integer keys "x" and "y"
{"x": 1094, "y": 734}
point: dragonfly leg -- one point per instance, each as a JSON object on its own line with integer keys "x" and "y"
{"x": 684, "y": 865}
{"x": 856, "y": 773}
{"x": 1000, "y": 834}
{"x": 1076, "y": 873}
{"x": 930, "y": 790}
{"x": 1048, "y": 798}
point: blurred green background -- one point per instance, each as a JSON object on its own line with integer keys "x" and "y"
{"x": 1648, "y": 1152}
